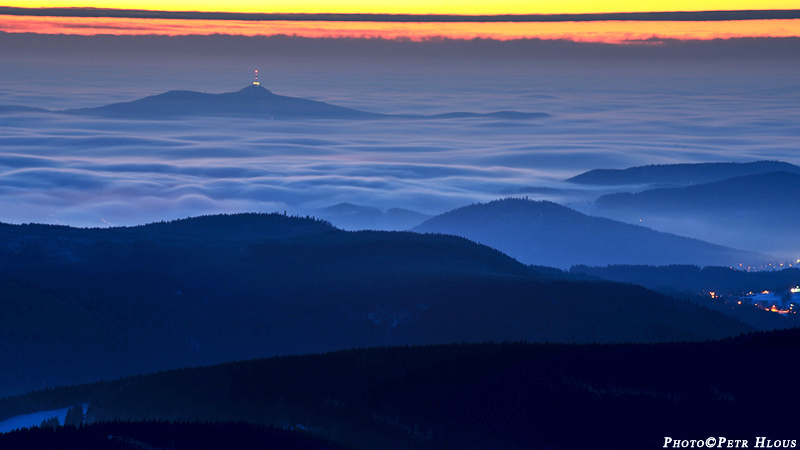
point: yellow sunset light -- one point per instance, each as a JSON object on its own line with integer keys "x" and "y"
{"x": 465, "y": 7}
{"x": 602, "y": 31}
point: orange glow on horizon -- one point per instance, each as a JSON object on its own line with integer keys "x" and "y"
{"x": 600, "y": 31}
{"x": 464, "y": 7}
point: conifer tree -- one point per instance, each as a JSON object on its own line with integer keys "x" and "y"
{"x": 74, "y": 416}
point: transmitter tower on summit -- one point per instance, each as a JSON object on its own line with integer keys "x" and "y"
{"x": 256, "y": 83}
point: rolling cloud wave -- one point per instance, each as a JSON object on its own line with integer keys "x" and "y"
{"x": 93, "y": 172}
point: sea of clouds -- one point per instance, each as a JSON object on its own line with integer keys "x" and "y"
{"x": 85, "y": 171}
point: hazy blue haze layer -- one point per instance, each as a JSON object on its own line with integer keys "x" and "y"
{"x": 614, "y": 114}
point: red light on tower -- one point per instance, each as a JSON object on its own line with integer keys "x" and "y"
{"x": 256, "y": 82}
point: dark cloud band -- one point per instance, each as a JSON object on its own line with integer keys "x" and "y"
{"x": 699, "y": 16}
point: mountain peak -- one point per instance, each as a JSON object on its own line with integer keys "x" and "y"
{"x": 256, "y": 89}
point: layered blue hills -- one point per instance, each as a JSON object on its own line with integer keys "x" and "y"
{"x": 545, "y": 233}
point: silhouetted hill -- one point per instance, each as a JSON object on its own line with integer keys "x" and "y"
{"x": 679, "y": 174}
{"x": 257, "y": 102}
{"x": 237, "y": 226}
{"x": 479, "y": 396}
{"x": 755, "y": 212}
{"x": 252, "y": 101}
{"x": 356, "y": 217}
{"x": 81, "y": 304}
{"x": 545, "y": 233}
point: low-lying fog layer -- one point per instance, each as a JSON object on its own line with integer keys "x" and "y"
{"x": 94, "y": 172}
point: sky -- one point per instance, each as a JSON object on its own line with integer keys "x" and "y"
{"x": 616, "y": 31}
{"x": 585, "y": 21}
{"x": 466, "y": 7}
{"x": 620, "y": 93}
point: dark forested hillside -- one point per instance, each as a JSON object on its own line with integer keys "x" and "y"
{"x": 697, "y": 285}
{"x": 163, "y": 435}
{"x": 82, "y": 304}
{"x": 477, "y": 396}
{"x": 677, "y": 279}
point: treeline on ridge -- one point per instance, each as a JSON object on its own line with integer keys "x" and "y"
{"x": 473, "y": 396}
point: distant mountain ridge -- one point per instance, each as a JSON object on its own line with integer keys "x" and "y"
{"x": 758, "y": 212}
{"x": 255, "y": 102}
{"x": 760, "y": 192}
{"x": 545, "y": 233}
{"x": 6, "y": 109}
{"x": 349, "y": 216}
{"x": 679, "y": 174}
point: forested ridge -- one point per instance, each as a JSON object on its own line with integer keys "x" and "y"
{"x": 86, "y": 304}
{"x": 473, "y": 396}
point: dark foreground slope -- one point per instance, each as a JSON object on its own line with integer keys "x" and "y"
{"x": 478, "y": 396}
{"x": 83, "y": 304}
{"x": 545, "y": 233}
{"x": 163, "y": 435}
